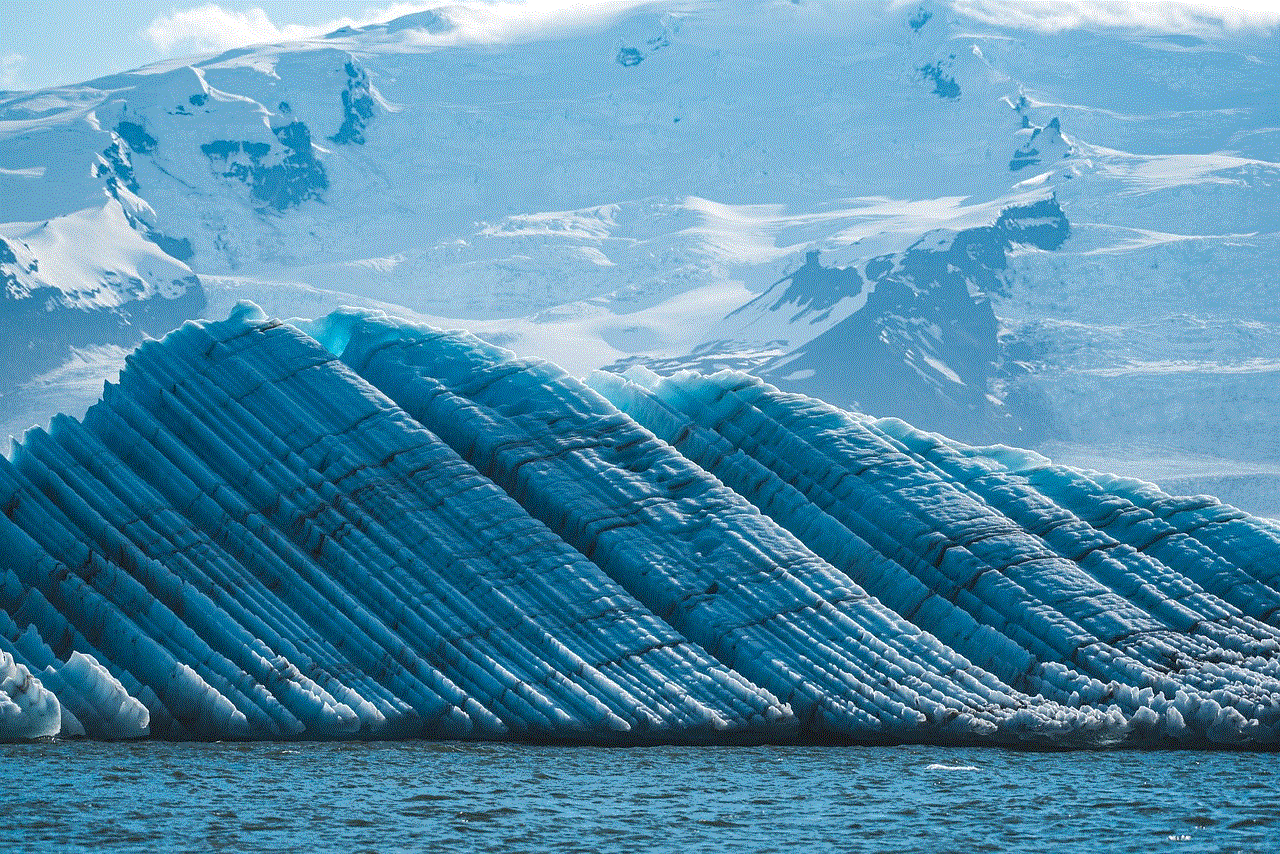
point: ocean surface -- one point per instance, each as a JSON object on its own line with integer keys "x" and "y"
{"x": 348, "y": 797}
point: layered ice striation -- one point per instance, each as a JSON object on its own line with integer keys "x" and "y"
{"x": 1080, "y": 588}
{"x": 696, "y": 553}
{"x": 362, "y": 527}
{"x": 255, "y": 543}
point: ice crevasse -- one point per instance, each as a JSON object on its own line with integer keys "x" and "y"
{"x": 359, "y": 527}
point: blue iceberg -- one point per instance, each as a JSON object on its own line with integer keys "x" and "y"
{"x": 359, "y": 527}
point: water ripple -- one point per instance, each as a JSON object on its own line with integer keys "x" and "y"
{"x": 88, "y": 796}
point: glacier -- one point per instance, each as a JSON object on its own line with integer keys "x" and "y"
{"x": 649, "y": 187}
{"x": 361, "y": 526}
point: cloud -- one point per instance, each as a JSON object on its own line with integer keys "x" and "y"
{"x": 11, "y": 65}
{"x": 1048, "y": 16}
{"x": 524, "y": 20}
{"x": 210, "y": 28}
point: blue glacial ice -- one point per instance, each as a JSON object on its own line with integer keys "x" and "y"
{"x": 1077, "y": 587}
{"x": 361, "y": 527}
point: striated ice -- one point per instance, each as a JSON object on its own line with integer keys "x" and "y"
{"x": 27, "y": 708}
{"x": 362, "y": 527}
{"x": 1087, "y": 589}
{"x": 263, "y": 545}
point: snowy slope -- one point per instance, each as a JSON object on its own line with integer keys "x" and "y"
{"x": 87, "y": 278}
{"x": 382, "y": 529}
{"x": 1050, "y": 237}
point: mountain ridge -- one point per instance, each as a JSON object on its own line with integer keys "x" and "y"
{"x": 557, "y": 195}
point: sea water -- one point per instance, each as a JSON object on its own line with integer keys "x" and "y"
{"x": 420, "y": 796}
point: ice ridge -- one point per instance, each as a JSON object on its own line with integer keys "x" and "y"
{"x": 1079, "y": 587}
{"x": 258, "y": 544}
{"x": 362, "y": 527}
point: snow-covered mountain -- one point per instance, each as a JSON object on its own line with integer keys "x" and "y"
{"x": 1061, "y": 238}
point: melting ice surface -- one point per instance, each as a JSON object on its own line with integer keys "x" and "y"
{"x": 361, "y": 527}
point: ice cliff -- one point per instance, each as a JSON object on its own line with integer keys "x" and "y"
{"x": 362, "y": 527}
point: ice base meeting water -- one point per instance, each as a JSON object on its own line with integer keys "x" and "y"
{"x": 418, "y": 796}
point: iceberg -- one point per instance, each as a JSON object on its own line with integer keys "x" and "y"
{"x": 27, "y": 708}
{"x": 1081, "y": 588}
{"x": 258, "y": 544}
{"x": 362, "y": 527}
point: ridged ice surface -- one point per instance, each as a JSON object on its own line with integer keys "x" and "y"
{"x": 1078, "y": 587}
{"x": 255, "y": 543}
{"x": 376, "y": 529}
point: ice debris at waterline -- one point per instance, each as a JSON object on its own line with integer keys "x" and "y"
{"x": 376, "y": 529}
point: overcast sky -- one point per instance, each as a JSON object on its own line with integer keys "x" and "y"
{"x": 44, "y": 43}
